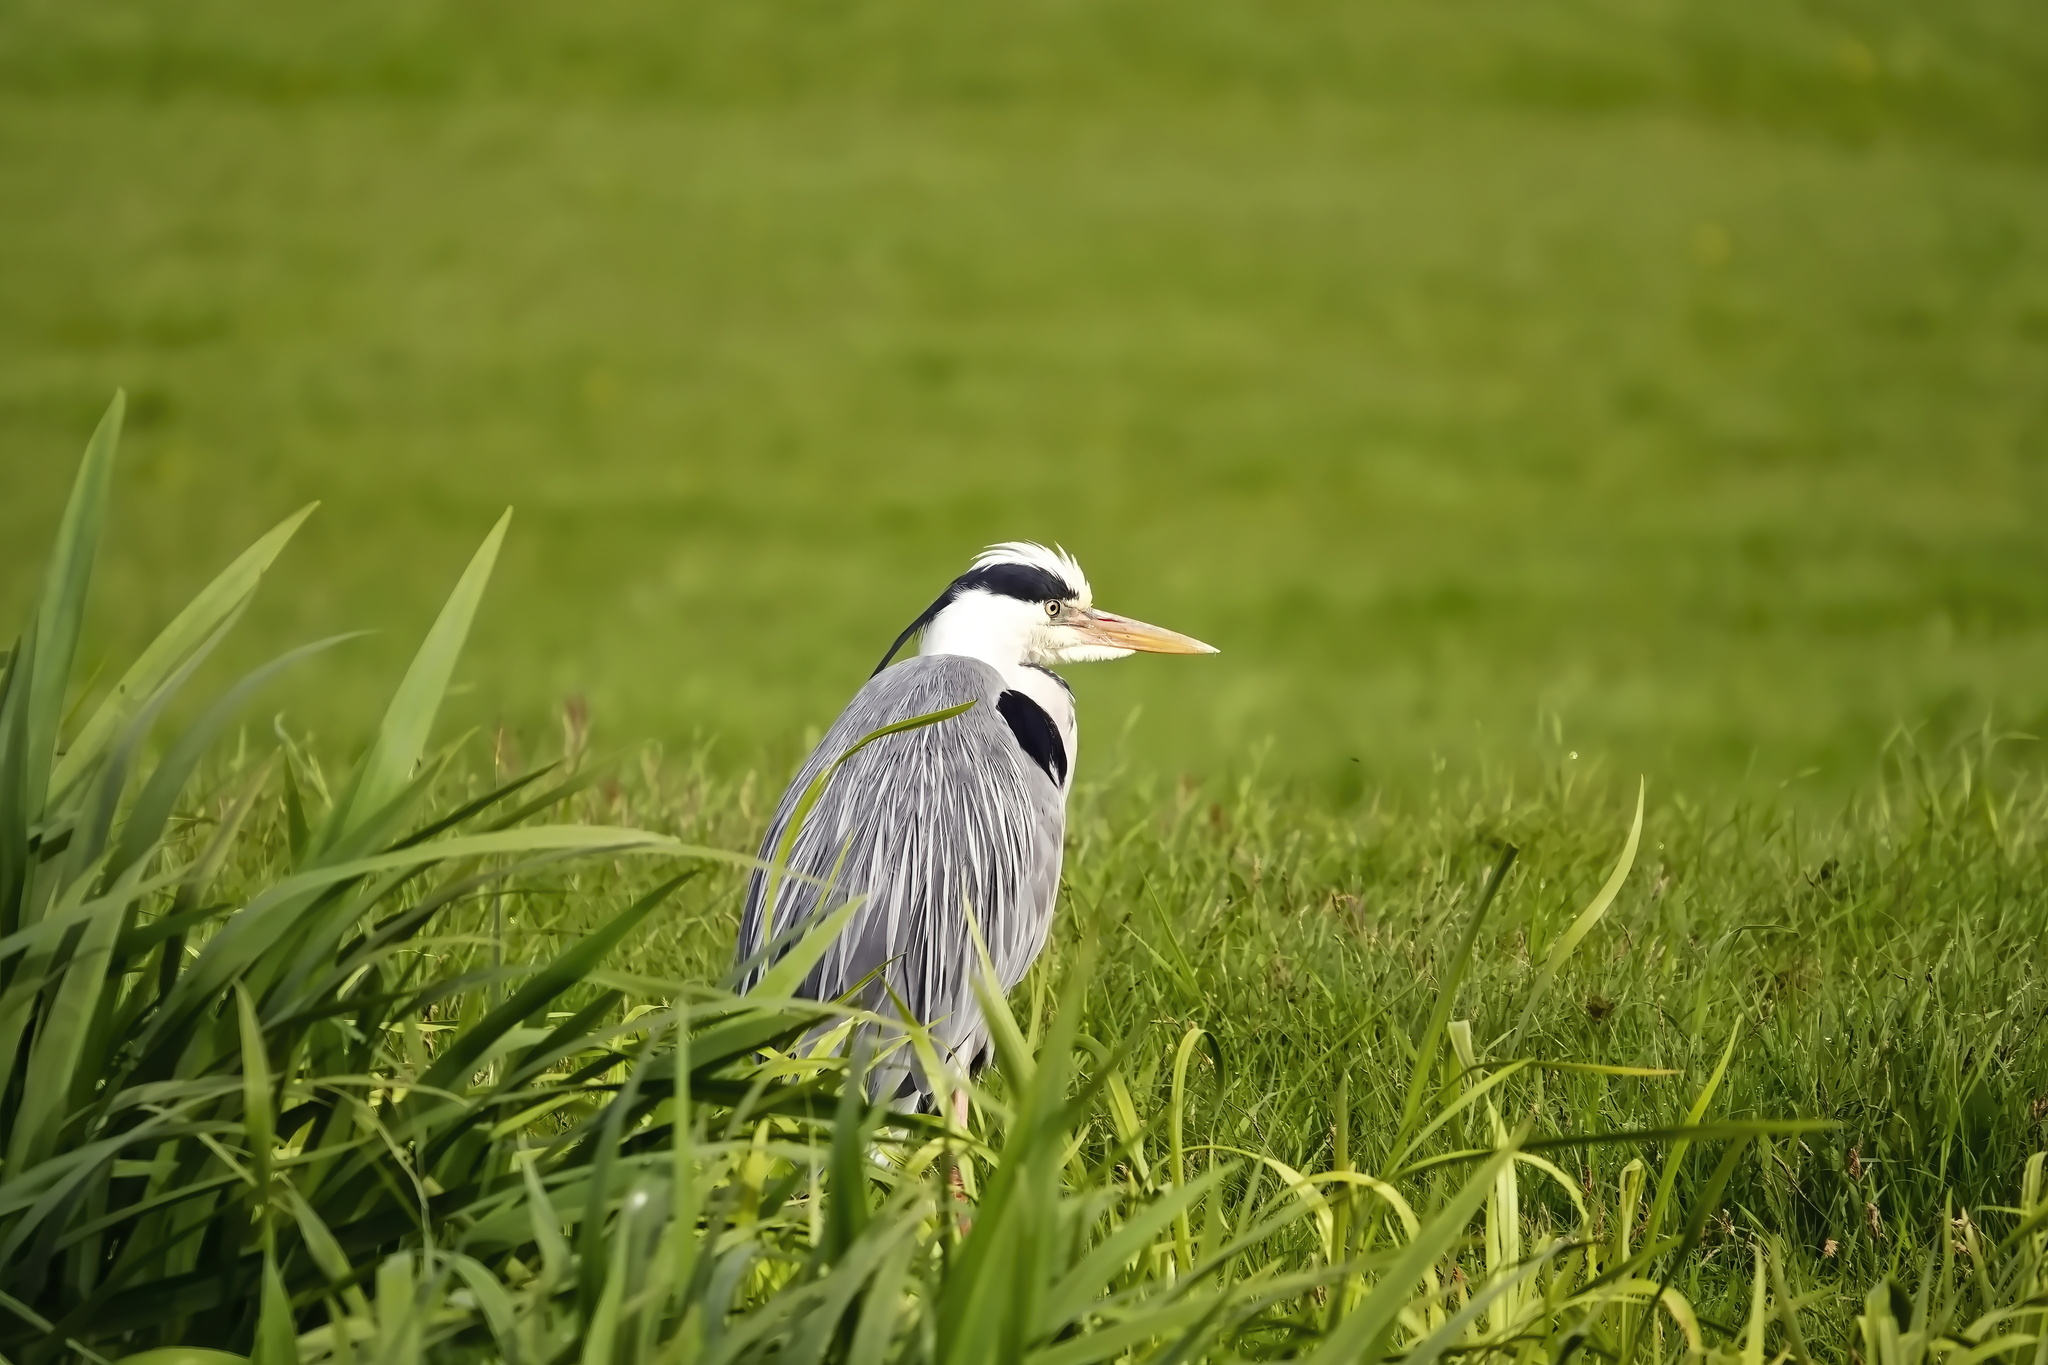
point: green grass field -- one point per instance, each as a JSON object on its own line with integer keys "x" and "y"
{"x": 1525, "y": 397}
{"x": 1318, "y": 1085}
{"x": 1671, "y": 372}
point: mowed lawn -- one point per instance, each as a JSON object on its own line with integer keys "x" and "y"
{"x": 1665, "y": 385}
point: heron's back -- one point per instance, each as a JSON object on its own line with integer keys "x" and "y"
{"x": 923, "y": 826}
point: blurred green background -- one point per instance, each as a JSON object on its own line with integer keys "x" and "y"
{"x": 1657, "y": 380}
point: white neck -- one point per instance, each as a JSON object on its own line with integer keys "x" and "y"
{"x": 1008, "y": 636}
{"x": 1002, "y": 632}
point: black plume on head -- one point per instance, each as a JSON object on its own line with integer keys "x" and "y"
{"x": 1025, "y": 582}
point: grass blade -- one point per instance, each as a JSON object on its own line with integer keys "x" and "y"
{"x": 60, "y": 613}
{"x": 1580, "y": 927}
{"x": 1363, "y": 1333}
{"x": 550, "y": 981}
{"x": 401, "y": 739}
{"x": 154, "y": 804}
{"x": 1447, "y": 997}
{"x": 215, "y": 603}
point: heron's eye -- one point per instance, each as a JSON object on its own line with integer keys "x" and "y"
{"x": 1052, "y": 610}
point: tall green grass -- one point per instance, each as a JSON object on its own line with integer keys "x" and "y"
{"x": 422, "y": 1058}
{"x": 223, "y": 1097}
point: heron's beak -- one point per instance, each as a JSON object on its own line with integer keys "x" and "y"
{"x": 1120, "y": 632}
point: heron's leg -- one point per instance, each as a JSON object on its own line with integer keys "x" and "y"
{"x": 953, "y": 1176}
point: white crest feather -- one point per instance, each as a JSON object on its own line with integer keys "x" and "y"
{"x": 1055, "y": 561}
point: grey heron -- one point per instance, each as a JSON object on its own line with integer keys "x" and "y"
{"x": 965, "y": 817}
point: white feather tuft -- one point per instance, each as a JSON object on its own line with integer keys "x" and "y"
{"x": 1055, "y": 561}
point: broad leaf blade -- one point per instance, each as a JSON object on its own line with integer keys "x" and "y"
{"x": 152, "y": 809}
{"x": 60, "y": 614}
{"x": 402, "y": 737}
{"x": 187, "y": 631}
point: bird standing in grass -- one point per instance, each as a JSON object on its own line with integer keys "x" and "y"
{"x": 956, "y": 823}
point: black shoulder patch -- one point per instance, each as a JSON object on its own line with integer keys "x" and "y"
{"x": 1036, "y": 735}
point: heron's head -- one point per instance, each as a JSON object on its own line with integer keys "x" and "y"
{"x": 1021, "y": 603}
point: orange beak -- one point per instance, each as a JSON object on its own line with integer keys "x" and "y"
{"x": 1120, "y": 632}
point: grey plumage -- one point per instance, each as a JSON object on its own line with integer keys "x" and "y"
{"x": 924, "y": 826}
{"x": 931, "y": 831}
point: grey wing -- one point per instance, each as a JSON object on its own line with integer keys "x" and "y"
{"x": 921, "y": 826}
